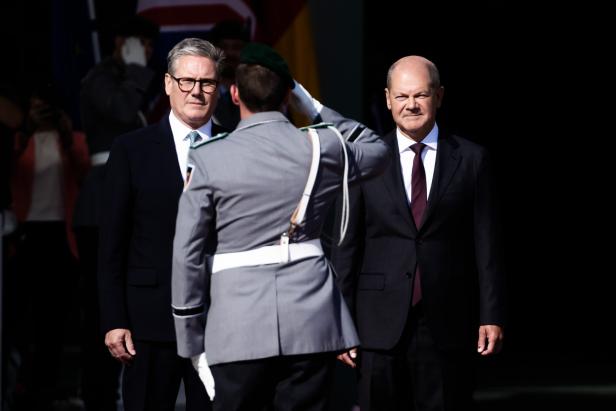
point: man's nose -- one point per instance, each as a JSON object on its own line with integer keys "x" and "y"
{"x": 196, "y": 90}
{"x": 411, "y": 103}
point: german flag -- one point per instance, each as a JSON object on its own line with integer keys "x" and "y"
{"x": 285, "y": 25}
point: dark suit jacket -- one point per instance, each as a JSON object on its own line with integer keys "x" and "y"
{"x": 142, "y": 187}
{"x": 457, "y": 249}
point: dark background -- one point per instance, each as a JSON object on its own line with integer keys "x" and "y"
{"x": 528, "y": 83}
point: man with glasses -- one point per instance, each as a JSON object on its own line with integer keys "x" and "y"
{"x": 145, "y": 177}
{"x": 115, "y": 97}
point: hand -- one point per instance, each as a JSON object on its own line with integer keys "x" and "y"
{"x": 304, "y": 102}
{"x": 205, "y": 374}
{"x": 133, "y": 52}
{"x": 493, "y": 334}
{"x": 120, "y": 345}
{"x": 349, "y": 357}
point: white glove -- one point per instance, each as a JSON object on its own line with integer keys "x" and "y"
{"x": 133, "y": 52}
{"x": 205, "y": 374}
{"x": 8, "y": 222}
{"x": 308, "y": 105}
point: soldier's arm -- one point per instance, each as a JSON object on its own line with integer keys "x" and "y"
{"x": 189, "y": 290}
{"x": 367, "y": 154}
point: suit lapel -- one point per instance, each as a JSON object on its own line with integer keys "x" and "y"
{"x": 447, "y": 161}
{"x": 168, "y": 154}
{"x": 394, "y": 183}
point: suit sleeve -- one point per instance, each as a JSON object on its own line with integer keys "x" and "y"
{"x": 488, "y": 248}
{"x": 346, "y": 258}
{"x": 115, "y": 231}
{"x": 190, "y": 276}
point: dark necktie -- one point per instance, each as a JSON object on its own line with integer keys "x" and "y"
{"x": 194, "y": 137}
{"x": 419, "y": 199}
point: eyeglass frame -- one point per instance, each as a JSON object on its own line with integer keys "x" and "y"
{"x": 202, "y": 82}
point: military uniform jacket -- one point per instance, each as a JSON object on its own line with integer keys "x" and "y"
{"x": 241, "y": 195}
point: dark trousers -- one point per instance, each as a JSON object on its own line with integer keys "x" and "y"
{"x": 298, "y": 382}
{"x": 46, "y": 284}
{"x": 415, "y": 375}
{"x": 100, "y": 378}
{"x": 152, "y": 381}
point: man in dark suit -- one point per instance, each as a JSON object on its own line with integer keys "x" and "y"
{"x": 421, "y": 266}
{"x": 144, "y": 180}
{"x": 114, "y": 96}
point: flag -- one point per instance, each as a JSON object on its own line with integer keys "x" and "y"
{"x": 193, "y": 15}
{"x": 286, "y": 26}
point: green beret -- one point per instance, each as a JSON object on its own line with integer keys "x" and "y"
{"x": 264, "y": 55}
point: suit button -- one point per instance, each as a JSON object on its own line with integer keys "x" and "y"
{"x": 409, "y": 275}
{"x": 418, "y": 242}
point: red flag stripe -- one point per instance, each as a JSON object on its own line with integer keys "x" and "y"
{"x": 190, "y": 15}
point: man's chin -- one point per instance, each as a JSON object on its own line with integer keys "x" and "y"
{"x": 413, "y": 125}
{"x": 198, "y": 116}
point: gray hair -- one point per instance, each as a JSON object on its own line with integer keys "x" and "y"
{"x": 195, "y": 47}
{"x": 435, "y": 77}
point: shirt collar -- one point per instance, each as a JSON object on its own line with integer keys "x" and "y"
{"x": 404, "y": 143}
{"x": 181, "y": 130}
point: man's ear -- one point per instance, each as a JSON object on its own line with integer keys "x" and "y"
{"x": 440, "y": 92}
{"x": 168, "y": 84}
{"x": 235, "y": 94}
{"x": 387, "y": 98}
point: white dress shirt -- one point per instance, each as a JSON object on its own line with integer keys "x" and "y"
{"x": 182, "y": 144}
{"x": 407, "y": 156}
{"x": 47, "y": 203}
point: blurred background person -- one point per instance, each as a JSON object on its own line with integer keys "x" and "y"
{"x": 11, "y": 118}
{"x": 50, "y": 160}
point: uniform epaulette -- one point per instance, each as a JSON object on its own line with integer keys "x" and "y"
{"x": 319, "y": 125}
{"x": 217, "y": 137}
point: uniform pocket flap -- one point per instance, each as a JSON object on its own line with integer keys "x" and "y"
{"x": 371, "y": 281}
{"x": 142, "y": 277}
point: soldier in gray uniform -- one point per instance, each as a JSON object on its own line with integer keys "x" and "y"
{"x": 252, "y": 294}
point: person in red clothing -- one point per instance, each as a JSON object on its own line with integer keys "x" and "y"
{"x": 50, "y": 160}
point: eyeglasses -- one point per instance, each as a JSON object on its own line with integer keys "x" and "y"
{"x": 187, "y": 84}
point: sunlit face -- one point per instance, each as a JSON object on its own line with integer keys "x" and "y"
{"x": 195, "y": 107}
{"x": 412, "y": 101}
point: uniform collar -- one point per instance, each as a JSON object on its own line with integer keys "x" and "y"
{"x": 261, "y": 118}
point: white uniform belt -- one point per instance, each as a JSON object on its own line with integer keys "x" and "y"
{"x": 271, "y": 254}
{"x": 99, "y": 158}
